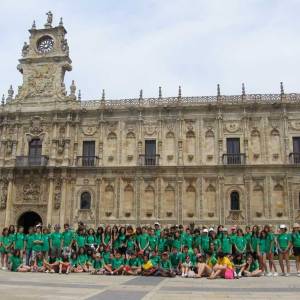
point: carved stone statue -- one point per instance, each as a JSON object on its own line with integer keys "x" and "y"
{"x": 3, "y": 198}
{"x": 49, "y": 19}
{"x": 25, "y": 49}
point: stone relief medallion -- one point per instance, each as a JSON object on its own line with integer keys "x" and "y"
{"x": 89, "y": 130}
{"x": 295, "y": 124}
{"x": 31, "y": 192}
{"x": 36, "y": 127}
{"x": 232, "y": 126}
{"x": 150, "y": 128}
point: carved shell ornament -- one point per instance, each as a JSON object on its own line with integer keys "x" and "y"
{"x": 151, "y": 128}
{"x": 232, "y": 126}
{"x": 89, "y": 130}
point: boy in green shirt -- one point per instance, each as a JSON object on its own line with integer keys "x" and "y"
{"x": 56, "y": 241}
{"x": 165, "y": 268}
{"x": 117, "y": 264}
{"x": 16, "y": 263}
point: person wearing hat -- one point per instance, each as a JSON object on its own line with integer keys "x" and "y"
{"x": 226, "y": 243}
{"x": 296, "y": 245}
{"x": 284, "y": 246}
{"x": 165, "y": 266}
{"x": 157, "y": 230}
{"x": 204, "y": 241}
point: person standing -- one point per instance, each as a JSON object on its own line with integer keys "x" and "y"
{"x": 284, "y": 246}
{"x": 296, "y": 245}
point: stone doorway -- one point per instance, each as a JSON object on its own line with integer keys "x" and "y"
{"x": 29, "y": 219}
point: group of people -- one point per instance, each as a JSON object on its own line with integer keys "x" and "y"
{"x": 186, "y": 251}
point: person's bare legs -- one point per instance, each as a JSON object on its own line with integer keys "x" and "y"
{"x": 281, "y": 262}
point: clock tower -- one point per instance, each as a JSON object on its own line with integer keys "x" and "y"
{"x": 43, "y": 65}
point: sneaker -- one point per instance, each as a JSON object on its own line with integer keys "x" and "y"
{"x": 47, "y": 271}
{"x": 287, "y": 275}
{"x": 239, "y": 275}
{"x": 269, "y": 274}
{"x": 298, "y": 274}
{"x": 282, "y": 274}
{"x": 182, "y": 275}
{"x": 275, "y": 274}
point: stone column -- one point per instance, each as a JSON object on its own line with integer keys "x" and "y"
{"x": 50, "y": 198}
{"x": 63, "y": 200}
{"x": 9, "y": 201}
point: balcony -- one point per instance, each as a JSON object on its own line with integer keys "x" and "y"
{"x": 28, "y": 161}
{"x": 149, "y": 160}
{"x": 294, "y": 158}
{"x": 87, "y": 161}
{"x": 234, "y": 159}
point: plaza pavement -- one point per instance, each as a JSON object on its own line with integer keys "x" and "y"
{"x": 91, "y": 287}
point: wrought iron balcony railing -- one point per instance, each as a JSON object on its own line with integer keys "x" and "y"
{"x": 87, "y": 161}
{"x": 294, "y": 158}
{"x": 149, "y": 160}
{"x": 32, "y": 161}
{"x": 234, "y": 159}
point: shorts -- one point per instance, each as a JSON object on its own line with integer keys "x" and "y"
{"x": 296, "y": 251}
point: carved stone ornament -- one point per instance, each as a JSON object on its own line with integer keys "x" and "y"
{"x": 150, "y": 128}
{"x": 235, "y": 216}
{"x": 36, "y": 127}
{"x": 89, "y": 130}
{"x": 232, "y": 126}
{"x": 3, "y": 196}
{"x": 57, "y": 194}
{"x": 295, "y": 124}
{"x": 31, "y": 192}
{"x": 85, "y": 215}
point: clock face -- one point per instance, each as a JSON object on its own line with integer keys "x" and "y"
{"x": 45, "y": 44}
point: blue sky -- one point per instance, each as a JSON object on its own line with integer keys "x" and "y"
{"x": 127, "y": 45}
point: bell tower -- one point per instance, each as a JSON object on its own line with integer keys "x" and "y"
{"x": 43, "y": 65}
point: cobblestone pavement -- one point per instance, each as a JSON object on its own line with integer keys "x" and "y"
{"x": 89, "y": 287}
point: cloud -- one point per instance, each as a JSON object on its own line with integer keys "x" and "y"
{"x": 125, "y": 46}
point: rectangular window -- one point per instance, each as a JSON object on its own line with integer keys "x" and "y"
{"x": 88, "y": 153}
{"x": 296, "y": 149}
{"x": 233, "y": 151}
{"x": 150, "y": 152}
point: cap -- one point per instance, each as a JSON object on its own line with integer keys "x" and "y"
{"x": 282, "y": 226}
{"x": 225, "y": 229}
{"x": 205, "y": 230}
{"x": 296, "y": 225}
{"x": 210, "y": 229}
{"x": 165, "y": 254}
{"x": 156, "y": 223}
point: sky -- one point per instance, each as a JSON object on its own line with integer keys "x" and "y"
{"x": 123, "y": 46}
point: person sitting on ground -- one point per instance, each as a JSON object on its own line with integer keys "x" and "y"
{"x": 251, "y": 268}
{"x": 64, "y": 265}
{"x": 117, "y": 264}
{"x": 147, "y": 267}
{"x": 239, "y": 262}
{"x": 205, "y": 268}
{"x": 166, "y": 266}
{"x": 223, "y": 263}
{"x": 186, "y": 267}
{"x": 15, "y": 262}
{"x": 133, "y": 264}
{"x": 38, "y": 264}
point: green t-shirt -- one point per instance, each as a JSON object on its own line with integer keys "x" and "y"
{"x": 283, "y": 240}
{"x": 233, "y": 237}
{"x": 197, "y": 241}
{"x": 177, "y": 244}
{"x": 74, "y": 262}
{"x": 117, "y": 263}
{"x": 46, "y": 238}
{"x": 143, "y": 240}
{"x": 98, "y": 264}
{"x": 212, "y": 261}
{"x": 37, "y": 246}
{"x": 29, "y": 241}
{"x": 107, "y": 239}
{"x": 240, "y": 244}
{"x": 106, "y": 257}
{"x": 270, "y": 242}
{"x": 166, "y": 264}
{"x": 226, "y": 245}
{"x": 67, "y": 237}
{"x": 90, "y": 240}
{"x": 39, "y": 262}
{"x": 16, "y": 262}
{"x": 134, "y": 262}
{"x": 175, "y": 259}
{"x": 204, "y": 243}
{"x": 217, "y": 244}
{"x": 254, "y": 242}
{"x": 157, "y": 233}
{"x": 152, "y": 242}
{"x": 296, "y": 239}
{"x": 155, "y": 260}
{"x": 122, "y": 239}
{"x": 56, "y": 239}
{"x": 162, "y": 245}
{"x": 82, "y": 259}
{"x": 19, "y": 240}
{"x": 131, "y": 243}
{"x": 262, "y": 246}
{"x": 80, "y": 240}
{"x": 188, "y": 241}
{"x": 254, "y": 266}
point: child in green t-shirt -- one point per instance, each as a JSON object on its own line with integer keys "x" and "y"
{"x": 251, "y": 268}
{"x": 284, "y": 246}
{"x": 16, "y": 262}
{"x": 5, "y": 247}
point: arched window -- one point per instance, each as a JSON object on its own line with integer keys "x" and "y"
{"x": 85, "y": 200}
{"x": 234, "y": 201}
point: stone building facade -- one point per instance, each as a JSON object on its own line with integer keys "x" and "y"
{"x": 207, "y": 160}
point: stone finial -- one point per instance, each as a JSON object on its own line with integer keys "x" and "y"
{"x": 103, "y": 95}
{"x": 79, "y": 95}
{"x": 159, "y": 92}
{"x": 61, "y": 22}
{"x": 72, "y": 88}
{"x": 25, "y": 49}
{"x": 33, "y": 27}
{"x": 281, "y": 88}
{"x": 218, "y": 90}
{"x": 10, "y": 93}
{"x": 243, "y": 89}
{"x": 179, "y": 92}
{"x": 141, "y": 94}
{"x": 49, "y": 19}
{"x": 3, "y": 100}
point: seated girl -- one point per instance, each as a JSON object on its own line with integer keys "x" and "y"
{"x": 205, "y": 267}
{"x": 251, "y": 268}
{"x": 133, "y": 264}
{"x": 74, "y": 266}
{"x": 38, "y": 264}
{"x": 186, "y": 267}
{"x": 15, "y": 263}
{"x": 99, "y": 267}
{"x": 64, "y": 264}
{"x": 82, "y": 260}
{"x": 223, "y": 263}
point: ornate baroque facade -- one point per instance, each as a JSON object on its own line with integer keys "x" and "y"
{"x": 208, "y": 160}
